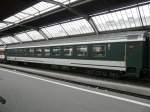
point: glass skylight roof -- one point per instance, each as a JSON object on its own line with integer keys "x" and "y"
{"x": 77, "y": 27}
{"x": 44, "y": 7}
{"x": 2, "y": 25}
{"x": 21, "y": 15}
{"x": 128, "y": 18}
{"x": 145, "y": 14}
{"x": 54, "y": 31}
{"x": 23, "y": 37}
{"x": 66, "y": 1}
{"x": 106, "y": 21}
{"x": 31, "y": 12}
{"x": 12, "y": 19}
{"x": 35, "y": 35}
{"x": 9, "y": 40}
{"x": 69, "y": 28}
{"x": 35, "y": 10}
{"x": 1, "y": 43}
{"x": 29, "y": 36}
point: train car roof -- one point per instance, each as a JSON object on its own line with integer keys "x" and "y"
{"x": 102, "y": 38}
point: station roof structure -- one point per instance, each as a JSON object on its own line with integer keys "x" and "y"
{"x": 34, "y": 20}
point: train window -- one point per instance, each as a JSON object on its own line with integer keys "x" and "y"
{"x": 26, "y": 51}
{"x": 23, "y": 52}
{"x": 14, "y": 52}
{"x": 10, "y": 52}
{"x": 109, "y": 46}
{"x": 38, "y": 52}
{"x": 31, "y": 51}
{"x": 82, "y": 50}
{"x": 56, "y": 51}
{"x": 47, "y": 52}
{"x": 68, "y": 51}
{"x": 99, "y": 50}
{"x": 20, "y": 52}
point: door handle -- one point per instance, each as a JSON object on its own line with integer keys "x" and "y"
{"x": 2, "y": 100}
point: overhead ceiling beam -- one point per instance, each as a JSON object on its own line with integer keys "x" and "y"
{"x": 43, "y": 34}
{"x": 7, "y": 22}
{"x": 87, "y": 17}
{"x": 29, "y": 36}
{"x": 43, "y": 15}
{"x": 64, "y": 30}
{"x": 26, "y": 13}
{"x": 4, "y": 44}
{"x": 25, "y": 26}
{"x": 67, "y": 7}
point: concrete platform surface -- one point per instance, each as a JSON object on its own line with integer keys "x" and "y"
{"x": 28, "y": 93}
{"x": 136, "y": 89}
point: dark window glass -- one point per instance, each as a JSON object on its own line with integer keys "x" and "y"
{"x": 31, "y": 51}
{"x": 20, "y": 52}
{"x": 38, "y": 52}
{"x": 10, "y": 52}
{"x": 56, "y": 51}
{"x": 23, "y": 52}
{"x": 47, "y": 52}
{"x": 14, "y": 52}
{"x": 68, "y": 51}
{"x": 82, "y": 50}
{"x": 26, "y": 51}
{"x": 99, "y": 50}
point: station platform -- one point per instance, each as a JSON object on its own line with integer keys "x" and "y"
{"x": 26, "y": 92}
{"x": 113, "y": 85}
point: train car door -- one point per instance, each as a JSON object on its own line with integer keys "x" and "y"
{"x": 134, "y": 58}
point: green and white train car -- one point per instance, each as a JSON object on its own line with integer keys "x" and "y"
{"x": 127, "y": 53}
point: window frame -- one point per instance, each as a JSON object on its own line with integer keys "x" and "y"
{"x": 68, "y": 47}
{"x": 54, "y": 47}
{"x": 36, "y": 52}
{"x": 32, "y": 54}
{"x": 50, "y": 51}
{"x": 77, "y": 51}
{"x": 98, "y": 45}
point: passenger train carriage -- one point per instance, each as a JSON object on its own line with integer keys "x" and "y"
{"x": 127, "y": 53}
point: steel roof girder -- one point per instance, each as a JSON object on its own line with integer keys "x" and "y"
{"x": 93, "y": 25}
{"x": 43, "y": 34}
{"x": 87, "y": 17}
{"x": 29, "y": 36}
{"x": 44, "y": 15}
{"x": 14, "y": 36}
{"x": 67, "y": 7}
{"x": 4, "y": 44}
